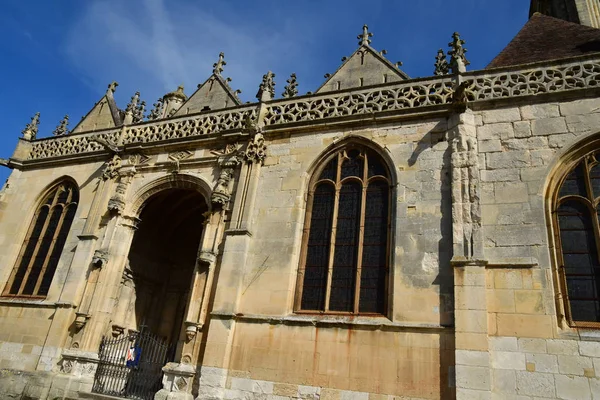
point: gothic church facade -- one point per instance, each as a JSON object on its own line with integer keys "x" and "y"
{"x": 380, "y": 238}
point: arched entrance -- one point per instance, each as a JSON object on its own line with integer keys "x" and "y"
{"x": 155, "y": 291}
{"x": 162, "y": 260}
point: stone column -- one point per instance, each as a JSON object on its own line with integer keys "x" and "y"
{"x": 471, "y": 332}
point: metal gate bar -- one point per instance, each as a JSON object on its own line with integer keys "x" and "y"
{"x": 131, "y": 366}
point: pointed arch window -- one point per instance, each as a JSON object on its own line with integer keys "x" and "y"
{"x": 44, "y": 242}
{"x": 345, "y": 253}
{"x": 578, "y": 237}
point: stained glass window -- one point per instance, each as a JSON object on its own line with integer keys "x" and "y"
{"x": 576, "y": 217}
{"x": 345, "y": 263}
{"x": 44, "y": 243}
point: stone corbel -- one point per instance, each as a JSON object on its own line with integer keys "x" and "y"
{"x": 80, "y": 320}
{"x": 191, "y": 329}
{"x": 117, "y": 330}
{"x": 100, "y": 258}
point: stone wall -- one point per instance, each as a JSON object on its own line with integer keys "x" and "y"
{"x": 531, "y": 354}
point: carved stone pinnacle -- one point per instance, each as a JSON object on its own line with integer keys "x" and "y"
{"x": 363, "y": 38}
{"x": 458, "y": 61}
{"x": 31, "y": 129}
{"x": 266, "y": 90}
{"x": 441, "y": 64}
{"x": 62, "y": 129}
{"x": 291, "y": 89}
{"x": 218, "y": 66}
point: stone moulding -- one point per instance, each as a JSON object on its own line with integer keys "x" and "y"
{"x": 331, "y": 321}
{"x": 557, "y": 76}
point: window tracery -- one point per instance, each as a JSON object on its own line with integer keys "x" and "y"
{"x": 43, "y": 245}
{"x": 345, "y": 253}
{"x": 577, "y": 230}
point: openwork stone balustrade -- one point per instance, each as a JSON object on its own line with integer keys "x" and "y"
{"x": 417, "y": 94}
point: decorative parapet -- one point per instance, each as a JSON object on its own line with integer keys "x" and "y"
{"x": 417, "y": 94}
{"x": 190, "y": 126}
{"x": 71, "y": 144}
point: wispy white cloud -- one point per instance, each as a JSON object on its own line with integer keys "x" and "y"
{"x": 153, "y": 46}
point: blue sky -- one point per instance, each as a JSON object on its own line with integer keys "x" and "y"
{"x": 59, "y": 56}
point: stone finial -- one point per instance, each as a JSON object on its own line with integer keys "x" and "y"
{"x": 458, "y": 61}
{"x": 156, "y": 111}
{"x": 218, "y": 66}
{"x": 112, "y": 87}
{"x": 61, "y": 128}
{"x": 266, "y": 91}
{"x": 363, "y": 38}
{"x": 138, "y": 115}
{"x": 441, "y": 63}
{"x": 31, "y": 129}
{"x": 383, "y": 52}
{"x": 291, "y": 89}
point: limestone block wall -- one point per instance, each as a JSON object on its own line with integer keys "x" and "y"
{"x": 25, "y": 324}
{"x": 530, "y": 354}
{"x": 415, "y": 356}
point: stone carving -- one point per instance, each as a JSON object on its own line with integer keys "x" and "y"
{"x": 61, "y": 128}
{"x": 441, "y": 64}
{"x": 207, "y": 257}
{"x": 221, "y": 195}
{"x": 466, "y": 213}
{"x": 458, "y": 61}
{"x": 157, "y": 110}
{"x": 366, "y": 101}
{"x": 229, "y": 159}
{"x": 481, "y": 85}
{"x": 138, "y": 115}
{"x": 178, "y": 156}
{"x": 256, "y": 152}
{"x": 69, "y": 145}
{"x": 31, "y": 129}
{"x": 191, "y": 126}
{"x": 191, "y": 328}
{"x": 66, "y": 366}
{"x": 266, "y": 90}
{"x": 133, "y": 104}
{"x": 111, "y": 170}
{"x": 80, "y": 321}
{"x": 117, "y": 200}
{"x": 100, "y": 258}
{"x": 363, "y": 38}
{"x": 138, "y": 159}
{"x": 291, "y": 89}
{"x": 112, "y": 87}
{"x": 218, "y": 66}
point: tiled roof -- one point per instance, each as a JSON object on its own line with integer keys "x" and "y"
{"x": 547, "y": 38}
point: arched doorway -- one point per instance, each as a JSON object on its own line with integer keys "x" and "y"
{"x": 162, "y": 259}
{"x": 154, "y": 293}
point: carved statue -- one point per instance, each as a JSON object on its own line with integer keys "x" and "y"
{"x": 31, "y": 129}
{"x": 106, "y": 143}
{"x": 229, "y": 159}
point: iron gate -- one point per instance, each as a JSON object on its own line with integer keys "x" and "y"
{"x": 131, "y": 366}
